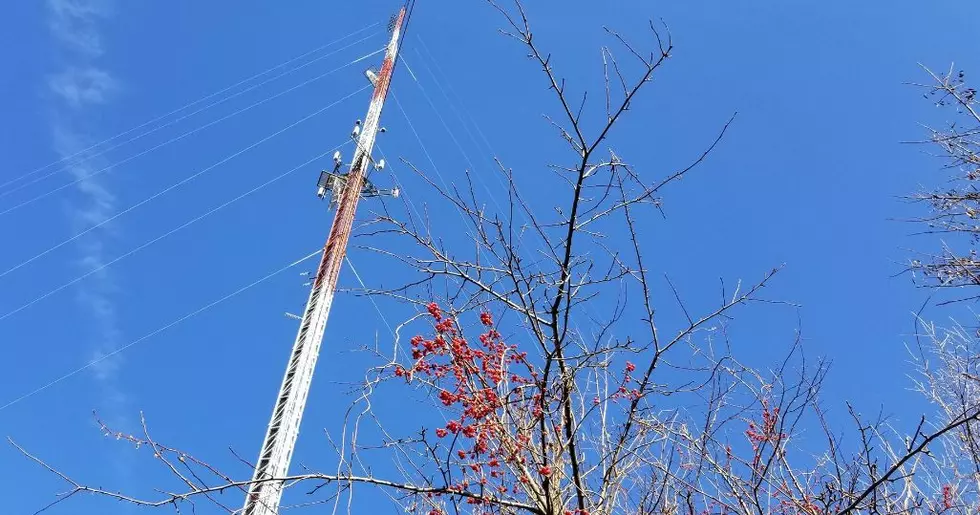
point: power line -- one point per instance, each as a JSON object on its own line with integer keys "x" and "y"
{"x": 164, "y": 235}
{"x": 186, "y": 134}
{"x": 444, "y": 80}
{"x": 175, "y": 185}
{"x": 401, "y": 186}
{"x": 463, "y": 152}
{"x": 456, "y": 142}
{"x": 479, "y": 250}
{"x": 439, "y": 84}
{"x": 371, "y": 297}
{"x": 182, "y": 118}
{"x": 425, "y": 150}
{"x": 159, "y": 330}
{"x": 428, "y": 156}
{"x": 196, "y": 102}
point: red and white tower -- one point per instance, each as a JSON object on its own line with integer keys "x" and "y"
{"x": 265, "y": 493}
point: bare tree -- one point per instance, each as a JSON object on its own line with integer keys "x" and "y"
{"x": 955, "y": 207}
{"x": 946, "y": 359}
{"x": 554, "y": 384}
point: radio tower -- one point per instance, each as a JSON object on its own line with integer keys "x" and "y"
{"x": 264, "y": 494}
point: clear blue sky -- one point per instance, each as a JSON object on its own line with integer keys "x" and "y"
{"x": 808, "y": 176}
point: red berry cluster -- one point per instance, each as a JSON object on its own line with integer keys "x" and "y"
{"x": 767, "y": 433}
{"x": 474, "y": 383}
{"x": 624, "y": 391}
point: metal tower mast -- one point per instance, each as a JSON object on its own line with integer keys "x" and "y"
{"x": 264, "y": 494}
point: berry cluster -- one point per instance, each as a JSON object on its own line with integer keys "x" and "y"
{"x": 484, "y": 394}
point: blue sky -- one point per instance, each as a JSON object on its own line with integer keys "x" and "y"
{"x": 809, "y": 176}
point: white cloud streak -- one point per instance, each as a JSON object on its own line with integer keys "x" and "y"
{"x": 81, "y": 87}
{"x": 75, "y": 23}
{"x": 78, "y": 90}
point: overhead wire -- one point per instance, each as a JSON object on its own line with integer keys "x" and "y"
{"x": 158, "y": 330}
{"x": 425, "y": 150}
{"x": 199, "y": 310}
{"x": 434, "y": 166}
{"x": 413, "y": 209}
{"x": 428, "y": 156}
{"x": 443, "y": 84}
{"x": 400, "y": 185}
{"x": 364, "y": 286}
{"x": 452, "y": 136}
{"x": 184, "y": 135}
{"x": 180, "y": 119}
{"x": 418, "y": 138}
{"x": 176, "y": 185}
{"x": 448, "y": 85}
{"x": 444, "y": 81}
{"x": 163, "y": 236}
{"x": 458, "y": 145}
{"x": 198, "y": 101}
